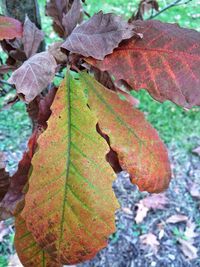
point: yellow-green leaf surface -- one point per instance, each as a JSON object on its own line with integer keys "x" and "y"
{"x": 70, "y": 204}
{"x": 138, "y": 146}
{"x": 28, "y": 251}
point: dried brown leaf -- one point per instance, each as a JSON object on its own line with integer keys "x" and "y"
{"x": 34, "y": 75}
{"x": 151, "y": 241}
{"x": 141, "y": 212}
{"x": 72, "y": 17}
{"x": 196, "y": 151}
{"x": 56, "y": 9}
{"x": 32, "y": 37}
{"x": 190, "y": 233}
{"x": 98, "y": 36}
{"x": 177, "y": 218}
{"x": 189, "y": 250}
{"x": 155, "y": 201}
{"x": 55, "y": 51}
{"x": 194, "y": 190}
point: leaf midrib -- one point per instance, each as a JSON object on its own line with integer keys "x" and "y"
{"x": 68, "y": 157}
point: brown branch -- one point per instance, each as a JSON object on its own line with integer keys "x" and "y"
{"x": 173, "y": 4}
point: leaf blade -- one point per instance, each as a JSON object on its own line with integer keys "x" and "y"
{"x": 77, "y": 214}
{"x": 98, "y": 36}
{"x": 137, "y": 144}
{"x": 28, "y": 251}
{"x": 10, "y": 28}
{"x": 166, "y": 62}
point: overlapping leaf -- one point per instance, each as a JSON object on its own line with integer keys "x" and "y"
{"x": 10, "y": 28}
{"x": 72, "y": 17}
{"x": 28, "y": 251}
{"x": 32, "y": 37}
{"x": 70, "y": 205}
{"x": 166, "y": 62}
{"x": 98, "y": 36}
{"x": 34, "y": 75}
{"x": 65, "y": 14}
{"x": 138, "y": 146}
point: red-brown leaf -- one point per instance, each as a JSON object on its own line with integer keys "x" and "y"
{"x": 166, "y": 62}
{"x": 137, "y": 144}
{"x": 10, "y": 28}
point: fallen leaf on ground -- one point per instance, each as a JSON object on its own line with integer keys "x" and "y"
{"x": 127, "y": 211}
{"x": 177, "y": 218}
{"x": 141, "y": 212}
{"x": 189, "y": 250}
{"x": 190, "y": 231}
{"x": 196, "y": 151}
{"x": 156, "y": 201}
{"x": 194, "y": 190}
{"x": 151, "y": 241}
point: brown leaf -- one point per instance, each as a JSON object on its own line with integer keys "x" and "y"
{"x": 155, "y": 201}
{"x": 141, "y": 212}
{"x": 56, "y": 9}
{"x": 194, "y": 190}
{"x": 166, "y": 62}
{"x": 34, "y": 75}
{"x": 32, "y": 37}
{"x": 98, "y": 36}
{"x": 177, "y": 218}
{"x": 72, "y": 17}
{"x": 55, "y": 51}
{"x": 151, "y": 241}
{"x": 4, "y": 177}
{"x": 190, "y": 231}
{"x": 188, "y": 249}
{"x": 196, "y": 151}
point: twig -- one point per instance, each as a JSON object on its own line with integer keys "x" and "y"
{"x": 175, "y": 3}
